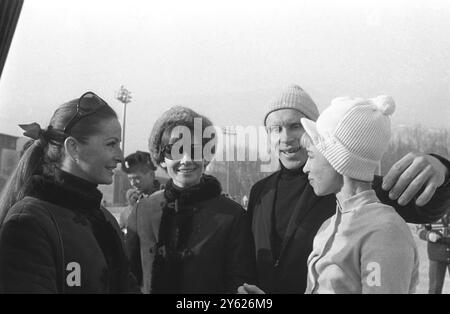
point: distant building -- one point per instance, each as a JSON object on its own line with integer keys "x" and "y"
{"x": 10, "y": 147}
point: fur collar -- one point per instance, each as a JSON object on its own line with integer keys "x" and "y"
{"x": 65, "y": 190}
{"x": 208, "y": 188}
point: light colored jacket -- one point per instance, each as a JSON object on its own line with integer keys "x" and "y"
{"x": 366, "y": 247}
{"x": 144, "y": 220}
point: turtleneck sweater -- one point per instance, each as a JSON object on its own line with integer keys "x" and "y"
{"x": 291, "y": 184}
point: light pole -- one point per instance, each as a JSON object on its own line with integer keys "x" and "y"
{"x": 124, "y": 96}
{"x": 229, "y": 131}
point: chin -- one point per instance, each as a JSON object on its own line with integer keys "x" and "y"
{"x": 106, "y": 181}
{"x": 188, "y": 182}
{"x": 292, "y": 163}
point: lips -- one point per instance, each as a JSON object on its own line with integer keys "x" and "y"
{"x": 185, "y": 170}
{"x": 289, "y": 150}
{"x": 111, "y": 169}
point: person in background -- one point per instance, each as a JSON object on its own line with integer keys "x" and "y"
{"x": 132, "y": 197}
{"x": 437, "y": 236}
{"x": 55, "y": 237}
{"x": 141, "y": 173}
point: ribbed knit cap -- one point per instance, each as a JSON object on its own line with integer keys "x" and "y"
{"x": 353, "y": 134}
{"x": 294, "y": 97}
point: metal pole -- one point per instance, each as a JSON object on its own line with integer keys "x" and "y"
{"x": 123, "y": 129}
{"x": 228, "y": 177}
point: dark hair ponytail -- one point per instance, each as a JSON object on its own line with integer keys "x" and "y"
{"x": 30, "y": 164}
{"x": 47, "y": 151}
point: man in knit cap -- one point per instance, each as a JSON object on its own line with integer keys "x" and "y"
{"x": 286, "y": 213}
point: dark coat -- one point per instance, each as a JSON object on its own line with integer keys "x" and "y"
{"x": 59, "y": 240}
{"x": 287, "y": 274}
{"x": 221, "y": 252}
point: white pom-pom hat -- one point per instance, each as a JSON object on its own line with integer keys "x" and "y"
{"x": 353, "y": 134}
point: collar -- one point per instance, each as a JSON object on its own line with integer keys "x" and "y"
{"x": 290, "y": 173}
{"x": 356, "y": 201}
{"x": 208, "y": 188}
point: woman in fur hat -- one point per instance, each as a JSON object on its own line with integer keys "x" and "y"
{"x": 188, "y": 238}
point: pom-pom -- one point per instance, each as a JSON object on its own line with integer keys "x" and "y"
{"x": 385, "y": 104}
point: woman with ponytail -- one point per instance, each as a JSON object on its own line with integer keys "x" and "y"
{"x": 54, "y": 235}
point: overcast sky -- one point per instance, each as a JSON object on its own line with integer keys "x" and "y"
{"x": 226, "y": 59}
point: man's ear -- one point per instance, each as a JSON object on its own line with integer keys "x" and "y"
{"x": 71, "y": 147}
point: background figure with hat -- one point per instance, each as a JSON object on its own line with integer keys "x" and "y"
{"x": 437, "y": 235}
{"x": 365, "y": 247}
{"x": 55, "y": 237}
{"x": 141, "y": 173}
{"x": 188, "y": 238}
{"x": 286, "y": 214}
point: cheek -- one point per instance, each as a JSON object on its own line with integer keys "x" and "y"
{"x": 171, "y": 166}
{"x": 274, "y": 139}
{"x": 312, "y": 166}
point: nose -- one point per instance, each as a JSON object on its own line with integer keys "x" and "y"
{"x": 186, "y": 158}
{"x": 284, "y": 135}
{"x": 306, "y": 167}
{"x": 118, "y": 156}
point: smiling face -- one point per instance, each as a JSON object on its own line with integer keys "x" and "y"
{"x": 183, "y": 170}
{"x": 99, "y": 156}
{"x": 285, "y": 132}
{"x": 321, "y": 175}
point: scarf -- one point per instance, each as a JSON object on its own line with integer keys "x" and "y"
{"x": 176, "y": 227}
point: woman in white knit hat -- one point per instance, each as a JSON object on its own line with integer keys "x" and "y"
{"x": 366, "y": 247}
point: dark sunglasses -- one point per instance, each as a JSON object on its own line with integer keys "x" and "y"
{"x": 88, "y": 104}
{"x": 138, "y": 158}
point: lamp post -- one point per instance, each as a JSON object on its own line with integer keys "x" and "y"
{"x": 124, "y": 96}
{"x": 229, "y": 131}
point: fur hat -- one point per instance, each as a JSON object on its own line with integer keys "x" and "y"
{"x": 175, "y": 116}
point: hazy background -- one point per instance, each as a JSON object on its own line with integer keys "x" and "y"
{"x": 226, "y": 59}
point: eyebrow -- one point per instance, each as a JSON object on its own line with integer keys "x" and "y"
{"x": 112, "y": 138}
{"x": 282, "y": 123}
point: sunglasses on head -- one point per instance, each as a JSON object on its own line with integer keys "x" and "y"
{"x": 88, "y": 104}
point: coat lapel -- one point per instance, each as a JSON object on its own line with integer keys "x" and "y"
{"x": 304, "y": 205}
{"x": 262, "y": 224}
